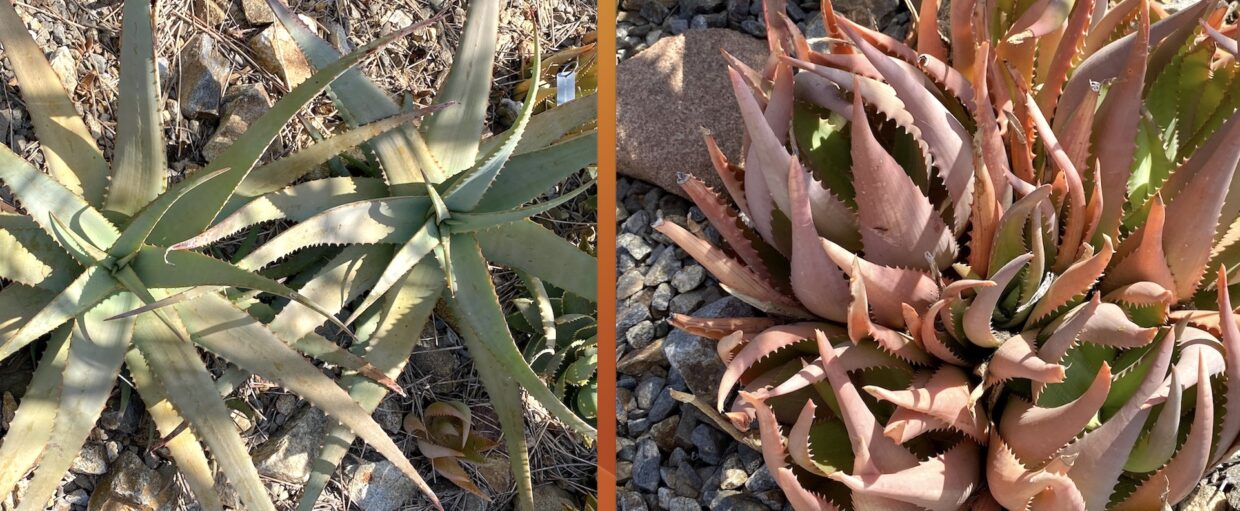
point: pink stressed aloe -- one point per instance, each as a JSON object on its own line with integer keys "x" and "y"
{"x": 987, "y": 260}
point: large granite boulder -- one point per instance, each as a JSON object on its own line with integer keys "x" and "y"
{"x": 668, "y": 93}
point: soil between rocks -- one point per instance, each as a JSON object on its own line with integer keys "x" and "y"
{"x": 82, "y": 39}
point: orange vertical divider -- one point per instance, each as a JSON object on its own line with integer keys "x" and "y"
{"x": 607, "y": 254}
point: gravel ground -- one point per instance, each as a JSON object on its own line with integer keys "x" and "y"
{"x": 670, "y": 455}
{"x": 82, "y": 39}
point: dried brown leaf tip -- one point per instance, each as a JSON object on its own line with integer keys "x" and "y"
{"x": 1017, "y": 313}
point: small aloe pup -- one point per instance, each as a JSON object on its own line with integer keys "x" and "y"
{"x": 446, "y": 207}
{"x": 989, "y": 265}
{"x": 92, "y": 246}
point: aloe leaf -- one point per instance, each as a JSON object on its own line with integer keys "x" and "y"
{"x": 506, "y": 398}
{"x": 409, "y": 254}
{"x": 477, "y": 307}
{"x": 549, "y": 127}
{"x": 465, "y": 193}
{"x": 527, "y": 176}
{"x": 320, "y": 348}
{"x": 79, "y": 249}
{"x": 231, "y": 333}
{"x": 139, "y": 166}
{"x": 179, "y": 371}
{"x": 388, "y": 220}
{"x": 31, "y": 257}
{"x": 340, "y": 281}
{"x": 278, "y": 174}
{"x": 73, "y": 159}
{"x": 400, "y": 324}
{"x": 188, "y": 454}
{"x": 179, "y": 269}
{"x": 403, "y": 152}
{"x": 28, "y": 434}
{"x": 240, "y": 157}
{"x": 89, "y": 289}
{"x": 295, "y": 203}
{"x": 19, "y": 303}
{"x": 546, "y": 315}
{"x": 43, "y": 196}
{"x": 452, "y": 135}
{"x": 527, "y": 246}
{"x": 470, "y": 222}
{"x": 96, "y": 352}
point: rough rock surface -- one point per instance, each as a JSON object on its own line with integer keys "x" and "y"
{"x": 204, "y": 75}
{"x": 132, "y": 486}
{"x": 277, "y": 52}
{"x": 379, "y": 486}
{"x": 244, "y": 105}
{"x": 668, "y": 93}
{"x": 288, "y": 455}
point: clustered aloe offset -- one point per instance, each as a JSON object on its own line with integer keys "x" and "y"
{"x": 562, "y": 343}
{"x": 986, "y": 260}
{"x": 101, "y": 258}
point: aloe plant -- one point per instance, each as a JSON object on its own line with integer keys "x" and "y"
{"x": 985, "y": 260}
{"x": 445, "y": 436}
{"x": 561, "y": 344}
{"x": 91, "y": 250}
{"x": 448, "y": 206}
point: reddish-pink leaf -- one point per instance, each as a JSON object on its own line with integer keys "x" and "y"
{"x": 773, "y": 453}
{"x": 941, "y": 483}
{"x": 946, "y": 397}
{"x": 873, "y": 453}
{"x": 1174, "y": 481}
{"x": 1116, "y": 124}
{"x": 1036, "y": 433}
{"x": 893, "y": 236}
{"x": 816, "y": 282}
{"x": 1196, "y": 192}
{"x": 945, "y": 138}
{"x": 1100, "y": 454}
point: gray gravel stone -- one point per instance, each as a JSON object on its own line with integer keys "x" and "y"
{"x": 646, "y": 465}
{"x": 688, "y": 482}
{"x": 655, "y": 11}
{"x": 648, "y": 390}
{"x": 632, "y": 501}
{"x": 761, "y": 481}
{"x": 93, "y": 460}
{"x": 640, "y": 335}
{"x": 663, "y": 406}
{"x": 630, "y": 314}
{"x": 709, "y": 443}
{"x": 677, "y": 26}
{"x": 687, "y": 302}
{"x": 65, "y": 65}
{"x": 754, "y": 28}
{"x": 634, "y": 245}
{"x": 244, "y": 106}
{"x": 637, "y": 222}
{"x": 733, "y": 474}
{"x": 688, "y": 278}
{"x": 629, "y": 283}
{"x": 662, "y": 298}
{"x": 132, "y": 485}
